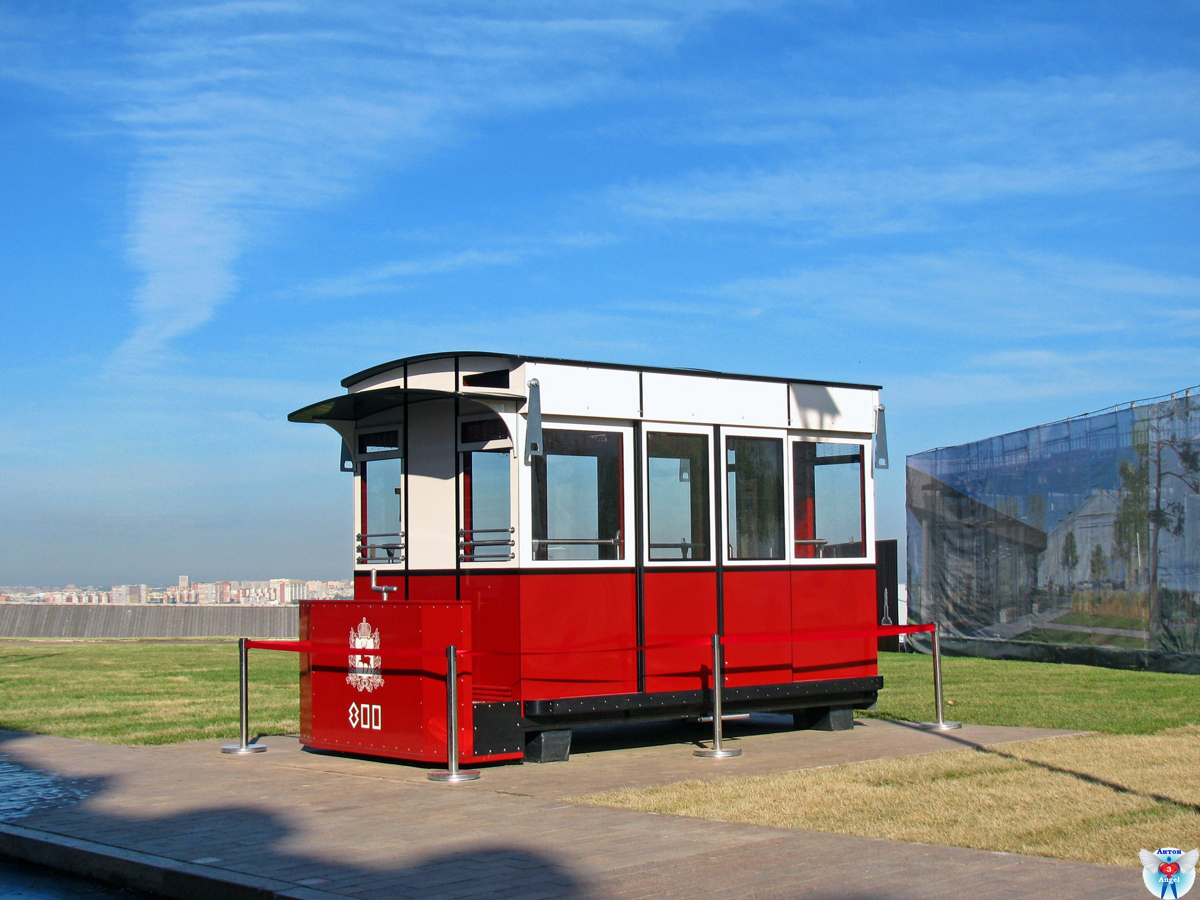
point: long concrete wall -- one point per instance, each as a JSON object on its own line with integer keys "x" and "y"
{"x": 51, "y": 620}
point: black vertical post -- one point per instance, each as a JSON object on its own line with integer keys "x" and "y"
{"x": 886, "y": 592}
{"x": 638, "y": 544}
{"x": 719, "y": 541}
{"x": 404, "y": 478}
{"x": 459, "y": 499}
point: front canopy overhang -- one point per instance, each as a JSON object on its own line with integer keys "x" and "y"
{"x": 363, "y": 404}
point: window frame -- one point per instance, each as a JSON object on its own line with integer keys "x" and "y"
{"x": 525, "y": 556}
{"x": 360, "y": 459}
{"x": 644, "y": 461}
{"x": 772, "y": 433}
{"x": 502, "y": 561}
{"x": 506, "y": 413}
{"x": 866, "y": 499}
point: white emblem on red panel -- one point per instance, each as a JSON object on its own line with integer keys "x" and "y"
{"x": 365, "y": 671}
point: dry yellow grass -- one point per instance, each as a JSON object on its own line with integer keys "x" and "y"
{"x": 1096, "y": 798}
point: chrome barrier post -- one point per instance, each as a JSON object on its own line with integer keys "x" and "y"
{"x": 941, "y": 724}
{"x": 244, "y": 702}
{"x": 716, "y": 751}
{"x": 452, "y": 773}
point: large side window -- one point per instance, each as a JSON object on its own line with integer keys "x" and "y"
{"x": 487, "y": 522}
{"x": 381, "y": 471}
{"x": 828, "y": 482}
{"x": 677, "y": 477}
{"x": 754, "y": 468}
{"x": 578, "y": 497}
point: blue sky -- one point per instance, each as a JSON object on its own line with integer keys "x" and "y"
{"x": 214, "y": 211}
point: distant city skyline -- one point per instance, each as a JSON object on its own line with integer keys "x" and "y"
{"x": 266, "y": 591}
{"x": 215, "y": 211}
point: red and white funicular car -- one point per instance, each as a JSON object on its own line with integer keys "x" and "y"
{"x": 562, "y": 521}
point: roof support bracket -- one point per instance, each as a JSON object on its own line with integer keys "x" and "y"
{"x": 533, "y": 428}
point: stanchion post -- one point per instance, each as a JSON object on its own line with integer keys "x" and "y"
{"x": 452, "y": 773}
{"x": 941, "y": 724}
{"x": 244, "y": 705}
{"x": 716, "y": 751}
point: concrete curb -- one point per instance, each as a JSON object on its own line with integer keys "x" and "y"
{"x": 144, "y": 871}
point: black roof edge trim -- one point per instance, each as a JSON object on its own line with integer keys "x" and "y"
{"x": 357, "y": 377}
{"x": 359, "y": 405}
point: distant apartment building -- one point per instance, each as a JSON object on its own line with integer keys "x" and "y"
{"x": 128, "y": 593}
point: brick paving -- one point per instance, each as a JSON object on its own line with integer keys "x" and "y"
{"x": 323, "y": 827}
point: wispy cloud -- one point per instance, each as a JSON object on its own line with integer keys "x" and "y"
{"x": 978, "y": 293}
{"x": 238, "y": 111}
{"x": 398, "y": 274}
{"x": 885, "y": 199}
{"x": 911, "y": 159}
{"x": 1076, "y": 381}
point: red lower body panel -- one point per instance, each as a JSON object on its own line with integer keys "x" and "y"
{"x": 578, "y": 635}
{"x": 758, "y": 602}
{"x": 530, "y": 636}
{"x": 679, "y": 605}
{"x": 834, "y": 600}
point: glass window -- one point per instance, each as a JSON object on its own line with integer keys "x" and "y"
{"x": 754, "y": 469}
{"x": 829, "y": 500}
{"x": 677, "y": 478}
{"x": 578, "y": 497}
{"x": 379, "y": 442}
{"x": 487, "y": 532}
{"x": 382, "y": 538}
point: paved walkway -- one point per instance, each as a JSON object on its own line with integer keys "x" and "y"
{"x": 288, "y": 823}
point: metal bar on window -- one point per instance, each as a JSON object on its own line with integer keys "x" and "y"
{"x": 601, "y": 542}
{"x": 394, "y": 550}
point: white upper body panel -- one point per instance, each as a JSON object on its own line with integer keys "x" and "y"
{"x": 628, "y": 394}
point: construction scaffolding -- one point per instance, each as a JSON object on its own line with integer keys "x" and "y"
{"x": 1082, "y": 533}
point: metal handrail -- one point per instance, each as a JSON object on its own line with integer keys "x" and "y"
{"x": 594, "y": 542}
{"x": 389, "y": 547}
{"x": 689, "y": 544}
{"x": 464, "y": 541}
{"x": 818, "y": 543}
{"x": 364, "y": 547}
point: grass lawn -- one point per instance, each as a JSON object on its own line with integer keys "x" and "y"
{"x": 143, "y": 693}
{"x": 1041, "y": 695}
{"x": 157, "y": 692}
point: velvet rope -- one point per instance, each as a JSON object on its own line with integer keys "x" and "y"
{"x": 314, "y": 648}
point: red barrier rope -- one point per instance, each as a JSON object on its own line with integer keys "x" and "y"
{"x": 680, "y": 643}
